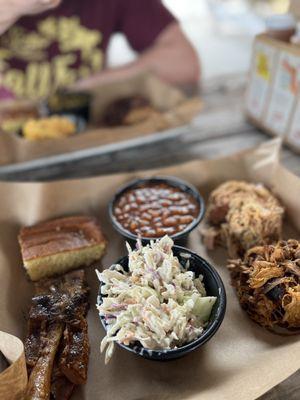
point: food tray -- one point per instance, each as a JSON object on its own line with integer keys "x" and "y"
{"x": 242, "y": 361}
{"x": 45, "y": 167}
{"x": 175, "y": 109}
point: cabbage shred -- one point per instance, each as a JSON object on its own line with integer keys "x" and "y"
{"x": 157, "y": 303}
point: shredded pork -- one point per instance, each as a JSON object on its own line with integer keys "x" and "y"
{"x": 241, "y": 215}
{"x": 267, "y": 281}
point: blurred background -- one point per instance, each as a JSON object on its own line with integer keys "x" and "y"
{"x": 165, "y": 118}
{"x": 218, "y": 29}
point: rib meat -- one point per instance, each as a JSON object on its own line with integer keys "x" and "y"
{"x": 61, "y": 387}
{"x": 36, "y": 332}
{"x": 75, "y": 355}
{"x": 40, "y": 378}
{"x": 57, "y": 320}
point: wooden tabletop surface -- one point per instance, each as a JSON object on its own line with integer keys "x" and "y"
{"x": 220, "y": 130}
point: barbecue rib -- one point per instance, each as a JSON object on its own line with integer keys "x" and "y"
{"x": 74, "y": 359}
{"x": 40, "y": 378}
{"x": 64, "y": 298}
{"x": 61, "y": 387}
{"x": 36, "y": 332}
{"x": 57, "y": 328}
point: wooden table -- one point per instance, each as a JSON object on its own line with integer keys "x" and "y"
{"x": 219, "y": 131}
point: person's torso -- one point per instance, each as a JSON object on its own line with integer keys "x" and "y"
{"x": 53, "y": 50}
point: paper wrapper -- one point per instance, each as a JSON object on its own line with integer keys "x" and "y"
{"x": 242, "y": 361}
{"x": 13, "y": 380}
{"x": 175, "y": 110}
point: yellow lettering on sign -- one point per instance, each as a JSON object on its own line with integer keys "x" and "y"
{"x": 4, "y": 54}
{"x": 31, "y": 78}
{"x": 66, "y": 29}
{"x": 84, "y": 71}
{"x": 63, "y": 74}
{"x": 3, "y": 66}
{"x": 48, "y": 28}
{"x": 37, "y": 80}
{"x": 96, "y": 60}
{"x": 44, "y": 86}
{"x": 14, "y": 80}
{"x": 262, "y": 66}
{"x": 39, "y": 76}
{"x": 72, "y": 36}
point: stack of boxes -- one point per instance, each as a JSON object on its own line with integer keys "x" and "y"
{"x": 273, "y": 94}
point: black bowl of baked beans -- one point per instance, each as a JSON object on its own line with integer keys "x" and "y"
{"x": 151, "y": 208}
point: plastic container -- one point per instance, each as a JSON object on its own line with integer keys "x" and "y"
{"x": 214, "y": 287}
{"x": 281, "y": 26}
{"x": 179, "y": 238}
{"x": 295, "y": 39}
{"x": 74, "y": 103}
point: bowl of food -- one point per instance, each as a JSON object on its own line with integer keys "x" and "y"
{"x": 64, "y": 102}
{"x": 151, "y": 208}
{"x": 160, "y": 302}
{"x": 14, "y": 114}
{"x": 127, "y": 111}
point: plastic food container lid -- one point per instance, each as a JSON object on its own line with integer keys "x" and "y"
{"x": 281, "y": 22}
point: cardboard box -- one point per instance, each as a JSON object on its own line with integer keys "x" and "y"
{"x": 295, "y": 8}
{"x": 174, "y": 109}
{"x": 273, "y": 93}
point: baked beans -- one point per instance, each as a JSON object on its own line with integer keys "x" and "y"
{"x": 153, "y": 210}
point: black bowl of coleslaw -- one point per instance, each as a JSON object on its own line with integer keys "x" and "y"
{"x": 214, "y": 287}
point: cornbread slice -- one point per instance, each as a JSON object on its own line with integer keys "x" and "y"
{"x": 54, "y": 127}
{"x": 60, "y": 245}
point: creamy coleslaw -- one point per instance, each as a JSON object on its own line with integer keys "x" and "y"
{"x": 158, "y": 302}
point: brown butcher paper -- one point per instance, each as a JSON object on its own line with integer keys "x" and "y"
{"x": 241, "y": 362}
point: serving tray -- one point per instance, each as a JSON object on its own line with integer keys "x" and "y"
{"x": 242, "y": 361}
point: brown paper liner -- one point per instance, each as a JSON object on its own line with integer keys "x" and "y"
{"x": 13, "y": 380}
{"x": 241, "y": 362}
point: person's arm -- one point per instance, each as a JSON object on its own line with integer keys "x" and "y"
{"x": 11, "y": 11}
{"x": 172, "y": 58}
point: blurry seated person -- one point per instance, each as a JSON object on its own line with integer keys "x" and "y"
{"x": 51, "y": 44}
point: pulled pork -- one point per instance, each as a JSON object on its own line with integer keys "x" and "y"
{"x": 241, "y": 215}
{"x": 267, "y": 281}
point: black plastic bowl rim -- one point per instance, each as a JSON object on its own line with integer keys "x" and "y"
{"x": 208, "y": 272}
{"x": 169, "y": 180}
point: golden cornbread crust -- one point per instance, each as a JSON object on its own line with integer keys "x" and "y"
{"x": 53, "y": 127}
{"x": 60, "y": 235}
